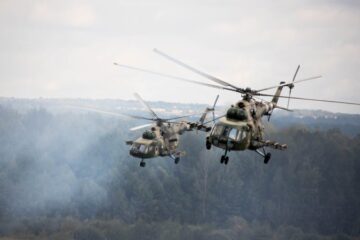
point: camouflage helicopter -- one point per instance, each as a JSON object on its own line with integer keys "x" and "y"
{"x": 241, "y": 128}
{"x": 163, "y": 137}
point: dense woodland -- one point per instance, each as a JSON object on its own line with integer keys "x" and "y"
{"x": 69, "y": 176}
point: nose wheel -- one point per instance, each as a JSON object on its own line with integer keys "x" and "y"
{"x": 224, "y": 159}
{"x": 142, "y": 163}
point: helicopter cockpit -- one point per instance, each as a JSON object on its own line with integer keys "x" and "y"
{"x": 142, "y": 150}
{"x": 145, "y": 146}
{"x": 228, "y": 136}
{"x": 232, "y": 133}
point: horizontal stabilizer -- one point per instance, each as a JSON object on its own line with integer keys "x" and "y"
{"x": 274, "y": 145}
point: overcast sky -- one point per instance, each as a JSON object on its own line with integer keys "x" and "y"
{"x": 66, "y": 49}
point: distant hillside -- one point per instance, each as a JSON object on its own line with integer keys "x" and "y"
{"x": 67, "y": 174}
{"x": 313, "y": 119}
{"x": 318, "y": 119}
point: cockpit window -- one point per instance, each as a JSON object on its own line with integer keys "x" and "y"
{"x": 233, "y": 134}
{"x": 226, "y": 131}
{"x": 218, "y": 129}
{"x": 140, "y": 147}
{"x": 241, "y": 134}
{"x": 151, "y": 149}
{"x": 229, "y": 132}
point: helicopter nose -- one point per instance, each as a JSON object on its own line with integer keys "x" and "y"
{"x": 134, "y": 151}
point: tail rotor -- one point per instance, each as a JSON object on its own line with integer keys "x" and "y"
{"x": 291, "y": 86}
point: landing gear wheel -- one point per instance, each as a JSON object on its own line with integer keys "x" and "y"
{"x": 267, "y": 158}
{"x": 177, "y": 160}
{"x": 222, "y": 160}
{"x": 142, "y": 164}
{"x": 208, "y": 145}
{"x": 226, "y": 160}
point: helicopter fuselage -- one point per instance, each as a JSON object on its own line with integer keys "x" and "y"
{"x": 241, "y": 128}
{"x": 160, "y": 141}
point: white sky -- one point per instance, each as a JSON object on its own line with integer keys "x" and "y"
{"x": 65, "y": 49}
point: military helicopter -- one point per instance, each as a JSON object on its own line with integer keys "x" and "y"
{"x": 241, "y": 128}
{"x": 163, "y": 137}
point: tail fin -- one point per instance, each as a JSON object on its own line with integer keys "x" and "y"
{"x": 277, "y": 94}
{"x": 275, "y": 99}
{"x": 207, "y": 110}
{"x": 289, "y": 85}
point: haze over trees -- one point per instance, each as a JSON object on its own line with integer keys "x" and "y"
{"x": 68, "y": 175}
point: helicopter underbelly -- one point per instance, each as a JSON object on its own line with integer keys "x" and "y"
{"x": 229, "y": 144}
{"x": 142, "y": 155}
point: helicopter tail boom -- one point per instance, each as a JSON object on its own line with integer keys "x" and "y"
{"x": 275, "y": 99}
{"x": 207, "y": 110}
{"x": 274, "y": 145}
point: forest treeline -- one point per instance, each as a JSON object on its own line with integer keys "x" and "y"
{"x": 69, "y": 176}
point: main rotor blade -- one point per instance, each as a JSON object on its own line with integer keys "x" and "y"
{"x": 296, "y": 72}
{"x": 170, "y": 76}
{"x": 212, "y": 78}
{"x": 93, "y": 109}
{"x": 283, "y": 108}
{"x": 173, "y": 118}
{"x": 287, "y": 83}
{"x": 146, "y": 105}
{"x": 141, "y": 126}
{"x": 307, "y": 79}
{"x": 217, "y": 98}
{"x": 310, "y": 99}
{"x": 98, "y": 110}
{"x": 140, "y": 117}
{"x": 213, "y": 120}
